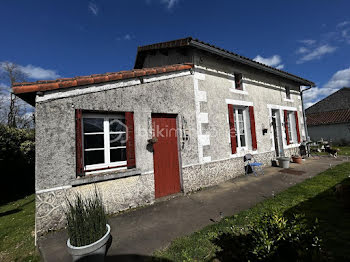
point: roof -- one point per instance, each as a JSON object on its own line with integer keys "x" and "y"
{"x": 27, "y": 90}
{"x": 192, "y": 42}
{"x": 337, "y": 101}
{"x": 328, "y": 118}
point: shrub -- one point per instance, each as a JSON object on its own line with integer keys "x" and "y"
{"x": 271, "y": 238}
{"x": 17, "y": 151}
{"x": 86, "y": 219}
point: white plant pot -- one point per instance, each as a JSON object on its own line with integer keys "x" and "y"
{"x": 284, "y": 162}
{"x": 92, "y": 252}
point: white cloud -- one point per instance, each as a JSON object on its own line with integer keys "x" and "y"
{"x": 317, "y": 53}
{"x": 302, "y": 50}
{"x": 4, "y": 88}
{"x": 339, "y": 80}
{"x": 308, "y": 41}
{"x": 93, "y": 8}
{"x": 170, "y": 3}
{"x": 274, "y": 61}
{"x": 344, "y": 23}
{"x": 36, "y": 72}
{"x": 126, "y": 37}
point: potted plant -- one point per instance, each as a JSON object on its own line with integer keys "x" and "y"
{"x": 87, "y": 228}
{"x": 297, "y": 159}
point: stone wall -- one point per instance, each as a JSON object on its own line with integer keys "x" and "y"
{"x": 209, "y": 174}
{"x": 117, "y": 195}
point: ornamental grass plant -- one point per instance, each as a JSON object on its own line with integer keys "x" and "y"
{"x": 86, "y": 219}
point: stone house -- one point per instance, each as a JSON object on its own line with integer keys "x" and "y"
{"x": 329, "y": 119}
{"x": 181, "y": 120}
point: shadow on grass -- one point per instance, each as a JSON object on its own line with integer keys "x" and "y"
{"x": 16, "y": 209}
{"x": 332, "y": 209}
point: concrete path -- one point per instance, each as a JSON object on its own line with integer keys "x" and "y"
{"x": 138, "y": 233}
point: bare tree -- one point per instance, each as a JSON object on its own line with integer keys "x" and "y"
{"x": 13, "y": 109}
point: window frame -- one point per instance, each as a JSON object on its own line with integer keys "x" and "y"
{"x": 106, "y": 135}
{"x": 237, "y": 126}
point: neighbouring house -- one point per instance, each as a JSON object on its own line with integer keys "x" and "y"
{"x": 329, "y": 119}
{"x": 181, "y": 120}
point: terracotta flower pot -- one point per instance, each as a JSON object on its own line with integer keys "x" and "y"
{"x": 297, "y": 159}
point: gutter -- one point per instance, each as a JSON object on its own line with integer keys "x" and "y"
{"x": 249, "y": 63}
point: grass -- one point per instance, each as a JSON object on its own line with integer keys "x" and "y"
{"x": 314, "y": 197}
{"x": 343, "y": 151}
{"x": 17, "y": 231}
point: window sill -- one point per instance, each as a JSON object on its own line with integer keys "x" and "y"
{"x": 288, "y": 100}
{"x": 243, "y": 153}
{"x": 105, "y": 176}
{"x": 292, "y": 145}
{"x": 237, "y": 91}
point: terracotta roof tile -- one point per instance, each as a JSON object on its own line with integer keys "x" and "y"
{"x": 328, "y": 118}
{"x": 45, "y": 85}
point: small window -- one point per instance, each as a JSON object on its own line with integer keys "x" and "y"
{"x": 238, "y": 81}
{"x": 104, "y": 141}
{"x": 288, "y": 92}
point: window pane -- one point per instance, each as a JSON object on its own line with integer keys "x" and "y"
{"x": 94, "y": 157}
{"x": 92, "y": 125}
{"x": 116, "y": 125}
{"x": 93, "y": 141}
{"x": 242, "y": 140}
{"x": 117, "y": 140}
{"x": 236, "y": 126}
{"x": 118, "y": 154}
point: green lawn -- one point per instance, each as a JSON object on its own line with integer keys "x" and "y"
{"x": 314, "y": 197}
{"x": 343, "y": 150}
{"x": 17, "y": 231}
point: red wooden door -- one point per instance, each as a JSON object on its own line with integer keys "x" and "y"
{"x": 165, "y": 155}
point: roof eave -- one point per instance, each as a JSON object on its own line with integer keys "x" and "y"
{"x": 249, "y": 63}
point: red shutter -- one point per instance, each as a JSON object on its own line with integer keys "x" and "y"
{"x": 232, "y": 129}
{"x": 79, "y": 142}
{"x": 297, "y": 125}
{"x": 286, "y": 125}
{"x": 130, "y": 143}
{"x": 252, "y": 127}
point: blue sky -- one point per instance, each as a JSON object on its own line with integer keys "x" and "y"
{"x": 51, "y": 39}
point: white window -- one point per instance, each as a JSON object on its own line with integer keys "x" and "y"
{"x": 292, "y": 132}
{"x": 241, "y": 119}
{"x": 104, "y": 141}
